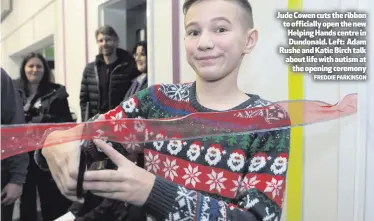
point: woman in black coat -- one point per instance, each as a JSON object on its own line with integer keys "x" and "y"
{"x": 44, "y": 102}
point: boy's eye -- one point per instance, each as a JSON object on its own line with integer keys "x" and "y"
{"x": 220, "y": 30}
{"x": 193, "y": 33}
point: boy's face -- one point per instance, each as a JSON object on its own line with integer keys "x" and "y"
{"x": 216, "y": 38}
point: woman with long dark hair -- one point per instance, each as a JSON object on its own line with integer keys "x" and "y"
{"x": 44, "y": 102}
{"x": 140, "y": 82}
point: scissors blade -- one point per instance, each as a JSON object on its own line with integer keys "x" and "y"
{"x": 83, "y": 159}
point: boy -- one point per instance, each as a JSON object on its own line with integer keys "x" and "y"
{"x": 237, "y": 177}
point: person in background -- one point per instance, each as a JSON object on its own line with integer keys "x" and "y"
{"x": 43, "y": 102}
{"x": 106, "y": 80}
{"x": 13, "y": 169}
{"x": 140, "y": 82}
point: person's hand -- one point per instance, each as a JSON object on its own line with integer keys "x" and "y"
{"x": 129, "y": 183}
{"x": 63, "y": 162}
{"x": 10, "y": 193}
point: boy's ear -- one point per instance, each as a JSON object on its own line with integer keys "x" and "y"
{"x": 252, "y": 37}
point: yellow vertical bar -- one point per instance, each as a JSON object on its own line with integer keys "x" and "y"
{"x": 294, "y": 210}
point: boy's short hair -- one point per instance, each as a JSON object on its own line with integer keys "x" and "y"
{"x": 244, "y": 4}
{"x": 106, "y": 30}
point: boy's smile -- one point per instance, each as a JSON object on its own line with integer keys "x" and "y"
{"x": 207, "y": 60}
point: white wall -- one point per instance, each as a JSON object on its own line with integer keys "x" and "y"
{"x": 70, "y": 48}
{"x": 159, "y": 40}
{"x": 369, "y": 185}
{"x": 29, "y": 26}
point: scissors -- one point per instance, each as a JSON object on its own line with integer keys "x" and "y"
{"x": 83, "y": 159}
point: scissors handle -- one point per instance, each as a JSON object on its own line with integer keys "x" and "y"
{"x": 82, "y": 169}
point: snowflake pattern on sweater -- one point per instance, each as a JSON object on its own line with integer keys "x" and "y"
{"x": 231, "y": 177}
{"x": 214, "y": 178}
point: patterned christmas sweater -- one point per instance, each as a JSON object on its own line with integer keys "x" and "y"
{"x": 234, "y": 177}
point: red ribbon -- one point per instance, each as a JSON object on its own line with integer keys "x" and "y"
{"x": 17, "y": 139}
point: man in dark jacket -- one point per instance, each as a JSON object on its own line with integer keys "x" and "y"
{"x": 106, "y": 80}
{"x": 104, "y": 85}
{"x": 13, "y": 169}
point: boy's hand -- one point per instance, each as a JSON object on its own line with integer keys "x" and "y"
{"x": 10, "y": 193}
{"x": 129, "y": 183}
{"x": 63, "y": 162}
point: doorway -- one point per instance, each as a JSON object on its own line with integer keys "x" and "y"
{"x": 128, "y": 18}
{"x": 49, "y": 54}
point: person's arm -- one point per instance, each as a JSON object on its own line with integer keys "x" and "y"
{"x": 84, "y": 93}
{"x": 261, "y": 196}
{"x": 12, "y": 113}
{"x": 59, "y": 109}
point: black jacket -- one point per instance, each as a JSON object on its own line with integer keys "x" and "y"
{"x": 13, "y": 169}
{"x": 51, "y": 106}
{"x": 120, "y": 81}
{"x": 136, "y": 86}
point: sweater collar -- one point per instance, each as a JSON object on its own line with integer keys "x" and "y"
{"x": 252, "y": 98}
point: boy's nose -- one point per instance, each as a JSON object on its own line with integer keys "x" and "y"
{"x": 205, "y": 42}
